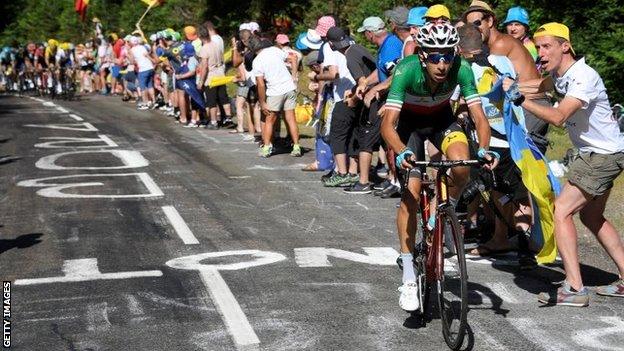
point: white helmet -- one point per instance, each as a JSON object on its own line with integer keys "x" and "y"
{"x": 437, "y": 36}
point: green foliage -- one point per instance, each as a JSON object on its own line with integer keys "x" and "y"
{"x": 597, "y": 26}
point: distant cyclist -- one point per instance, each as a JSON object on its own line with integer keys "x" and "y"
{"x": 418, "y": 109}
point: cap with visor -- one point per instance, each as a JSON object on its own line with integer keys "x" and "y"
{"x": 556, "y": 30}
{"x": 373, "y": 24}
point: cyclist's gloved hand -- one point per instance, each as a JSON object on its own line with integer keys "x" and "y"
{"x": 402, "y": 156}
{"x": 491, "y": 157}
{"x": 514, "y": 95}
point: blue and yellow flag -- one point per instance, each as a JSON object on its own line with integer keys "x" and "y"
{"x": 536, "y": 175}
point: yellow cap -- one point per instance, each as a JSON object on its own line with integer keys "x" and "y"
{"x": 437, "y": 11}
{"x": 556, "y": 30}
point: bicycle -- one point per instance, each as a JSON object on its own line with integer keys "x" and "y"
{"x": 439, "y": 260}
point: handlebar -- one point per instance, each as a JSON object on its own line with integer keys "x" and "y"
{"x": 446, "y": 163}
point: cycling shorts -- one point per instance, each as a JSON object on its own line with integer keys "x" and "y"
{"x": 440, "y": 129}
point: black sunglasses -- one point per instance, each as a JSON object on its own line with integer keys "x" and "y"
{"x": 478, "y": 22}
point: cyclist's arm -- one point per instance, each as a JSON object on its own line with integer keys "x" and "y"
{"x": 481, "y": 125}
{"x": 388, "y": 130}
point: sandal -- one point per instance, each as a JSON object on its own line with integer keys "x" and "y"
{"x": 312, "y": 167}
{"x": 236, "y": 131}
{"x": 484, "y": 251}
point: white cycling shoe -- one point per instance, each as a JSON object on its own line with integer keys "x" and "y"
{"x": 409, "y": 296}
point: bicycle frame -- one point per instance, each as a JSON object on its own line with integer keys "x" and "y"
{"x": 434, "y": 265}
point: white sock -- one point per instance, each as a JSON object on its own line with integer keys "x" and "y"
{"x": 408, "y": 268}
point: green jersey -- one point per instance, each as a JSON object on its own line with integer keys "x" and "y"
{"x": 410, "y": 92}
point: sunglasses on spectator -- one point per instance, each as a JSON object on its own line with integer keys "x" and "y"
{"x": 436, "y": 57}
{"x": 478, "y": 22}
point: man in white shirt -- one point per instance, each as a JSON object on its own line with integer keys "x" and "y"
{"x": 276, "y": 93}
{"x": 586, "y": 113}
{"x": 141, "y": 58}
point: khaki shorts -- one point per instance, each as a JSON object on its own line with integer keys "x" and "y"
{"x": 594, "y": 173}
{"x": 284, "y": 102}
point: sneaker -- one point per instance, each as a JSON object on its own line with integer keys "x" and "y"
{"x": 265, "y": 151}
{"x": 152, "y": 106}
{"x": 212, "y": 126}
{"x": 566, "y": 296}
{"x": 359, "y": 188}
{"x": 354, "y": 178}
{"x": 228, "y": 121}
{"x": 337, "y": 180}
{"x": 381, "y": 171}
{"x": 381, "y": 186}
{"x": 248, "y": 137}
{"x": 614, "y": 289}
{"x": 392, "y": 191}
{"x": 192, "y": 125}
{"x": 409, "y": 297}
{"x": 296, "y": 151}
{"x": 142, "y": 107}
{"x": 326, "y": 176}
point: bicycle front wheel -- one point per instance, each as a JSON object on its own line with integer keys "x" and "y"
{"x": 452, "y": 287}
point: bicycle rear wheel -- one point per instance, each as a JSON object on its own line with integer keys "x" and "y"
{"x": 452, "y": 288}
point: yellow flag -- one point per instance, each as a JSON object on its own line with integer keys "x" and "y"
{"x": 153, "y": 3}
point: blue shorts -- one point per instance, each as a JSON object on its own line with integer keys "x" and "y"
{"x": 146, "y": 79}
{"x": 115, "y": 71}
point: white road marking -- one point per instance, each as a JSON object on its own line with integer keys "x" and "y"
{"x": 76, "y": 117}
{"x": 596, "y": 338}
{"x": 319, "y": 256}
{"x": 233, "y": 316}
{"x": 296, "y": 166}
{"x": 193, "y": 262}
{"x": 83, "y": 270}
{"x": 134, "y": 306}
{"x": 52, "y": 319}
{"x": 278, "y": 207}
{"x": 129, "y": 159}
{"x": 239, "y": 177}
{"x": 501, "y": 290}
{"x": 178, "y": 223}
{"x": 364, "y": 207}
{"x": 97, "y": 317}
{"x": 37, "y": 99}
{"x": 538, "y": 335}
{"x": 61, "y": 109}
{"x": 215, "y": 140}
{"x": 79, "y": 127}
{"x": 49, "y": 104}
{"x": 61, "y": 142}
{"x": 55, "y": 189}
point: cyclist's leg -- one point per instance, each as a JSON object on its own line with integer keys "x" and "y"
{"x": 407, "y": 214}
{"x": 454, "y": 145}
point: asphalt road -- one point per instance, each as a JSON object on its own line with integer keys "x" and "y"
{"x": 121, "y": 230}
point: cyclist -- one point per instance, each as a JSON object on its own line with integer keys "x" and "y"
{"x": 50, "y": 53}
{"x": 418, "y": 105}
{"x": 586, "y": 113}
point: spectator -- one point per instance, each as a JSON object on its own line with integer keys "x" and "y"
{"x": 276, "y": 93}
{"x": 145, "y": 67}
{"x": 517, "y": 25}
{"x": 211, "y": 66}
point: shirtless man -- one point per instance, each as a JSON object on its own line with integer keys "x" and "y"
{"x": 529, "y": 80}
